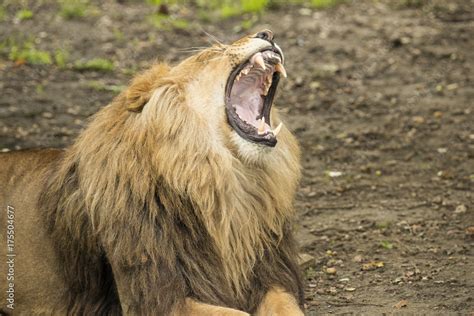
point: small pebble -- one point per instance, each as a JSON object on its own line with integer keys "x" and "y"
{"x": 331, "y": 270}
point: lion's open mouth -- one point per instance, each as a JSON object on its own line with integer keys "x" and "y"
{"x": 250, "y": 91}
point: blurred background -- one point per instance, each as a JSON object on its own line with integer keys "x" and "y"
{"x": 380, "y": 95}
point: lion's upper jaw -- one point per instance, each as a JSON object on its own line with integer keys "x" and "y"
{"x": 206, "y": 95}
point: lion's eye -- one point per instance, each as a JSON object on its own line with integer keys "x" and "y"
{"x": 266, "y": 35}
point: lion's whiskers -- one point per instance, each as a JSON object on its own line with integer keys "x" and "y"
{"x": 213, "y": 38}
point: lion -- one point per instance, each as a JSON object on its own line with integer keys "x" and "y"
{"x": 176, "y": 199}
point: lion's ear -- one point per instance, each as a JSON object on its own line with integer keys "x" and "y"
{"x": 135, "y": 102}
{"x": 141, "y": 88}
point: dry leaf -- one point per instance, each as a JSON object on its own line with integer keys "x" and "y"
{"x": 20, "y": 62}
{"x": 470, "y": 231}
{"x": 369, "y": 266}
{"x": 402, "y": 303}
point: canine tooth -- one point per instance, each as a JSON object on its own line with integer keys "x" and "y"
{"x": 261, "y": 127}
{"x": 279, "y": 67}
{"x": 277, "y": 129}
{"x": 259, "y": 61}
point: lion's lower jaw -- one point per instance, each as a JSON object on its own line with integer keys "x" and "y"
{"x": 251, "y": 152}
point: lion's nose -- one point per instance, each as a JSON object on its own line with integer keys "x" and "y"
{"x": 266, "y": 35}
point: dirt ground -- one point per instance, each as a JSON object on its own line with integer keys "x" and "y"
{"x": 380, "y": 97}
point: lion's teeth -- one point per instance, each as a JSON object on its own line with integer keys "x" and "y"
{"x": 279, "y": 67}
{"x": 261, "y": 126}
{"x": 267, "y": 84}
{"x": 258, "y": 59}
{"x": 277, "y": 129}
{"x": 267, "y": 88}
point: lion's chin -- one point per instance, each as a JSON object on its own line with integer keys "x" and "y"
{"x": 250, "y": 91}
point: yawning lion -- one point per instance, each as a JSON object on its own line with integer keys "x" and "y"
{"x": 175, "y": 200}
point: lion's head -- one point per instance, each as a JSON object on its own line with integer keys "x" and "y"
{"x": 232, "y": 87}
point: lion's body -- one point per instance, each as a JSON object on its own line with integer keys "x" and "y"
{"x": 37, "y": 273}
{"x": 149, "y": 208}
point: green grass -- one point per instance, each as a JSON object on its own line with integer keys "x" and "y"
{"x": 158, "y": 20}
{"x": 386, "y": 244}
{"x": 166, "y": 22}
{"x": 119, "y": 35}
{"x": 73, "y": 9}
{"x": 253, "y": 6}
{"x": 24, "y": 14}
{"x": 383, "y": 225}
{"x": 310, "y": 273}
{"x": 230, "y": 9}
{"x": 247, "y": 24}
{"x": 60, "y": 58}
{"x": 159, "y": 2}
{"x": 27, "y": 53}
{"x": 325, "y": 4}
{"x": 180, "y": 24}
{"x": 96, "y": 64}
{"x": 101, "y": 86}
{"x": 209, "y": 10}
{"x": 39, "y": 88}
{"x": 3, "y": 14}
{"x": 23, "y": 51}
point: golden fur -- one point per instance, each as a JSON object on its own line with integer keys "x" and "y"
{"x": 160, "y": 191}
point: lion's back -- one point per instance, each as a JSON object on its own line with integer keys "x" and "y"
{"x": 30, "y": 249}
{"x": 15, "y": 165}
